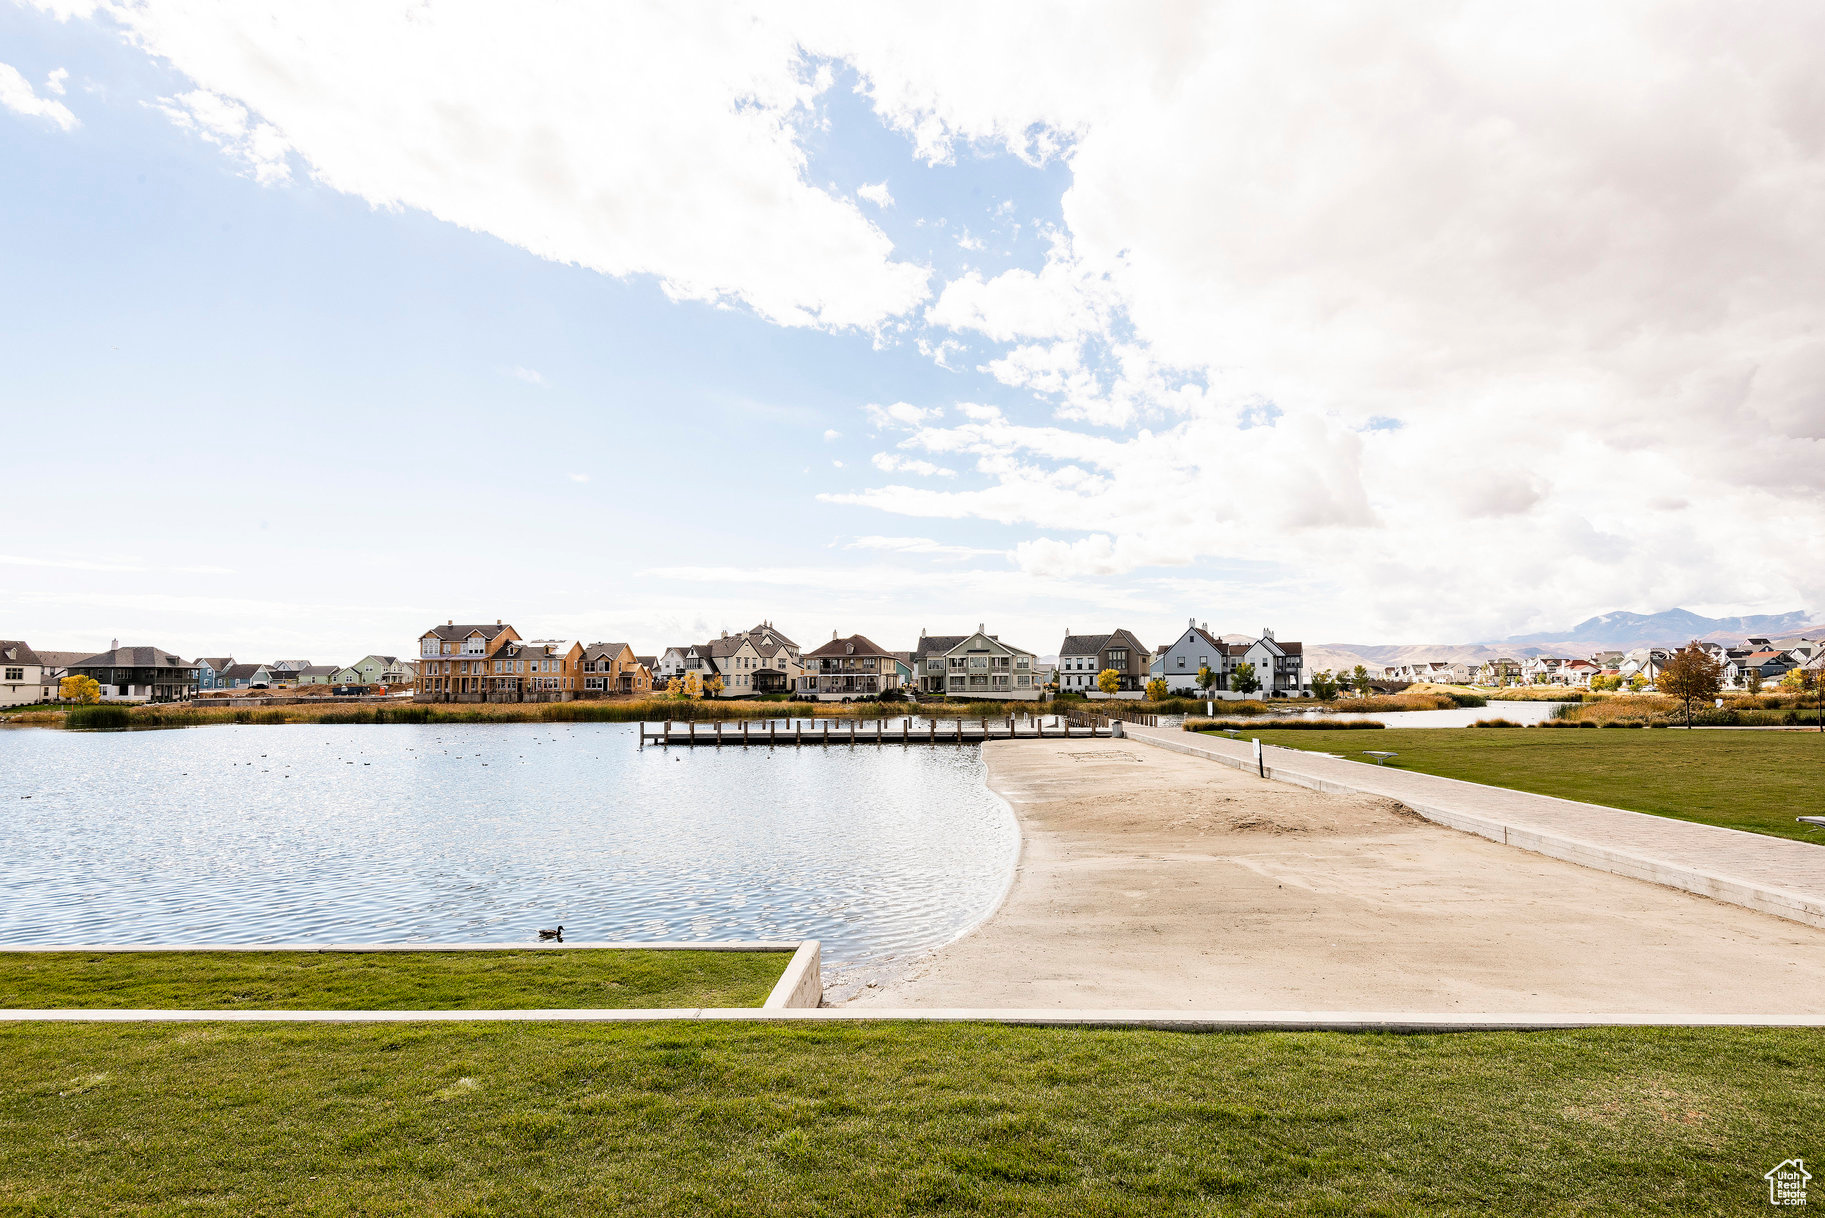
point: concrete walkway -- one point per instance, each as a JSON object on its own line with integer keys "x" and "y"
{"x": 1770, "y": 874}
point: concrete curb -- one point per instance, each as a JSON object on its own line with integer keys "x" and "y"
{"x": 1171, "y": 1021}
{"x": 1764, "y": 898}
{"x": 802, "y": 984}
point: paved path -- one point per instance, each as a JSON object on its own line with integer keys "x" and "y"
{"x": 1771, "y": 874}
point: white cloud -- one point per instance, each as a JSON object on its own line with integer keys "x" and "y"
{"x": 579, "y": 477}
{"x": 16, "y": 94}
{"x": 651, "y": 139}
{"x": 921, "y": 545}
{"x": 530, "y": 375}
{"x": 54, "y": 82}
{"x": 900, "y": 415}
{"x": 876, "y": 193}
{"x": 831, "y": 433}
{"x": 893, "y": 463}
{"x": 225, "y": 123}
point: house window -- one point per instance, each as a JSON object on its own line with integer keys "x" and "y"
{"x": 15, "y": 674}
{"x": 430, "y": 648}
{"x": 1181, "y": 661}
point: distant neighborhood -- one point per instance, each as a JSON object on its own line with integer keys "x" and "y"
{"x": 492, "y": 662}
{"x": 1755, "y": 662}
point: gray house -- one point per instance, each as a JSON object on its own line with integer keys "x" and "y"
{"x": 141, "y": 674}
{"x": 1278, "y": 667}
{"x": 975, "y": 666}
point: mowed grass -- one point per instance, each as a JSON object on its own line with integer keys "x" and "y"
{"x": 1759, "y": 781}
{"x": 388, "y": 981}
{"x": 721, "y": 1119}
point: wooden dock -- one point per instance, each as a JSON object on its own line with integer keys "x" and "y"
{"x": 735, "y": 734}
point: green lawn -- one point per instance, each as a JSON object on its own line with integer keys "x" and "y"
{"x": 388, "y": 981}
{"x": 671, "y": 1119}
{"x": 1759, "y": 781}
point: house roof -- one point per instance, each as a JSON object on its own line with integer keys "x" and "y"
{"x": 61, "y": 659}
{"x": 937, "y": 644}
{"x": 382, "y": 659}
{"x": 855, "y": 644}
{"x": 320, "y": 670}
{"x": 768, "y": 628}
{"x": 452, "y": 630}
{"x": 217, "y": 662}
{"x": 237, "y": 671}
{"x": 646, "y": 661}
{"x": 1095, "y": 644}
{"x": 1763, "y": 657}
{"x": 15, "y": 652}
{"x": 604, "y": 651}
{"x": 130, "y": 657}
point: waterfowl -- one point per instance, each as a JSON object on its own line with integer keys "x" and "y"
{"x": 557, "y": 934}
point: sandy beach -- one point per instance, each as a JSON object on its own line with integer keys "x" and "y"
{"x": 1153, "y": 880}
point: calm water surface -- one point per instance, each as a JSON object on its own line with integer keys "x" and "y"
{"x": 400, "y": 833}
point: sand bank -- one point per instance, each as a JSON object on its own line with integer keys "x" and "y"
{"x": 1150, "y": 879}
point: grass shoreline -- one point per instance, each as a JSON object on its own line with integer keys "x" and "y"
{"x": 1754, "y": 781}
{"x": 510, "y": 979}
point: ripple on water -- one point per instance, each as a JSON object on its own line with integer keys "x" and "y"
{"x": 487, "y": 831}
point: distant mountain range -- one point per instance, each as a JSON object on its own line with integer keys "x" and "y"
{"x": 1671, "y": 627}
{"x": 1609, "y": 631}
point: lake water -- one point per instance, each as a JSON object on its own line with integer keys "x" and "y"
{"x": 446, "y": 832}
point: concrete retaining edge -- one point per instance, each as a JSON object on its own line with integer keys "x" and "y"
{"x": 802, "y": 984}
{"x": 1170, "y": 1021}
{"x": 1763, "y": 898}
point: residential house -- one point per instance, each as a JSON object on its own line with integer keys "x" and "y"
{"x": 376, "y": 670}
{"x": 403, "y": 673}
{"x": 976, "y": 665}
{"x": 139, "y": 674}
{"x": 1279, "y": 667}
{"x": 452, "y": 660}
{"x": 1773, "y": 665}
{"x": 1499, "y": 672}
{"x": 669, "y": 664}
{"x": 243, "y": 676}
{"x": 1645, "y": 662}
{"x": 845, "y": 669}
{"x": 53, "y": 667}
{"x": 317, "y": 674}
{"x": 613, "y": 668}
{"x": 21, "y": 674}
{"x": 1580, "y": 672}
{"x": 348, "y": 674}
{"x": 534, "y": 670}
{"x": 209, "y": 671}
{"x": 1179, "y": 662}
{"x": 1083, "y": 658}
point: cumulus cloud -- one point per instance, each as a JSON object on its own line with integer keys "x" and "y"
{"x": 920, "y": 545}
{"x": 876, "y": 193}
{"x": 531, "y": 376}
{"x": 646, "y": 139}
{"x": 894, "y": 463}
{"x": 223, "y": 122}
{"x": 17, "y": 95}
{"x": 900, "y": 414}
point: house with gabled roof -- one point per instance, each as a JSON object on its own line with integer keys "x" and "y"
{"x": 845, "y": 669}
{"x": 21, "y": 674}
{"x": 1178, "y": 662}
{"x": 613, "y": 668}
{"x": 975, "y": 665}
{"x": 1278, "y": 666}
{"x": 139, "y": 674}
{"x": 1083, "y": 658}
{"x": 209, "y": 670}
{"x": 453, "y": 660}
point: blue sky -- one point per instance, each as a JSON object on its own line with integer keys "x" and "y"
{"x": 315, "y": 343}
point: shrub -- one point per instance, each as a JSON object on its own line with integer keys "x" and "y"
{"x": 1466, "y": 701}
{"x": 1495, "y": 723}
{"x": 99, "y": 718}
{"x": 1321, "y": 725}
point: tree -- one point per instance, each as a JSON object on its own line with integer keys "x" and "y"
{"x": 1638, "y": 682}
{"x": 1324, "y": 685}
{"x": 1243, "y": 680}
{"x": 1795, "y": 679}
{"x": 1207, "y": 680}
{"x": 1691, "y": 674}
{"x": 1360, "y": 679}
{"x": 1108, "y": 680}
{"x": 712, "y": 687}
{"x": 1753, "y": 679}
{"x": 79, "y": 689}
{"x": 1156, "y": 689}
